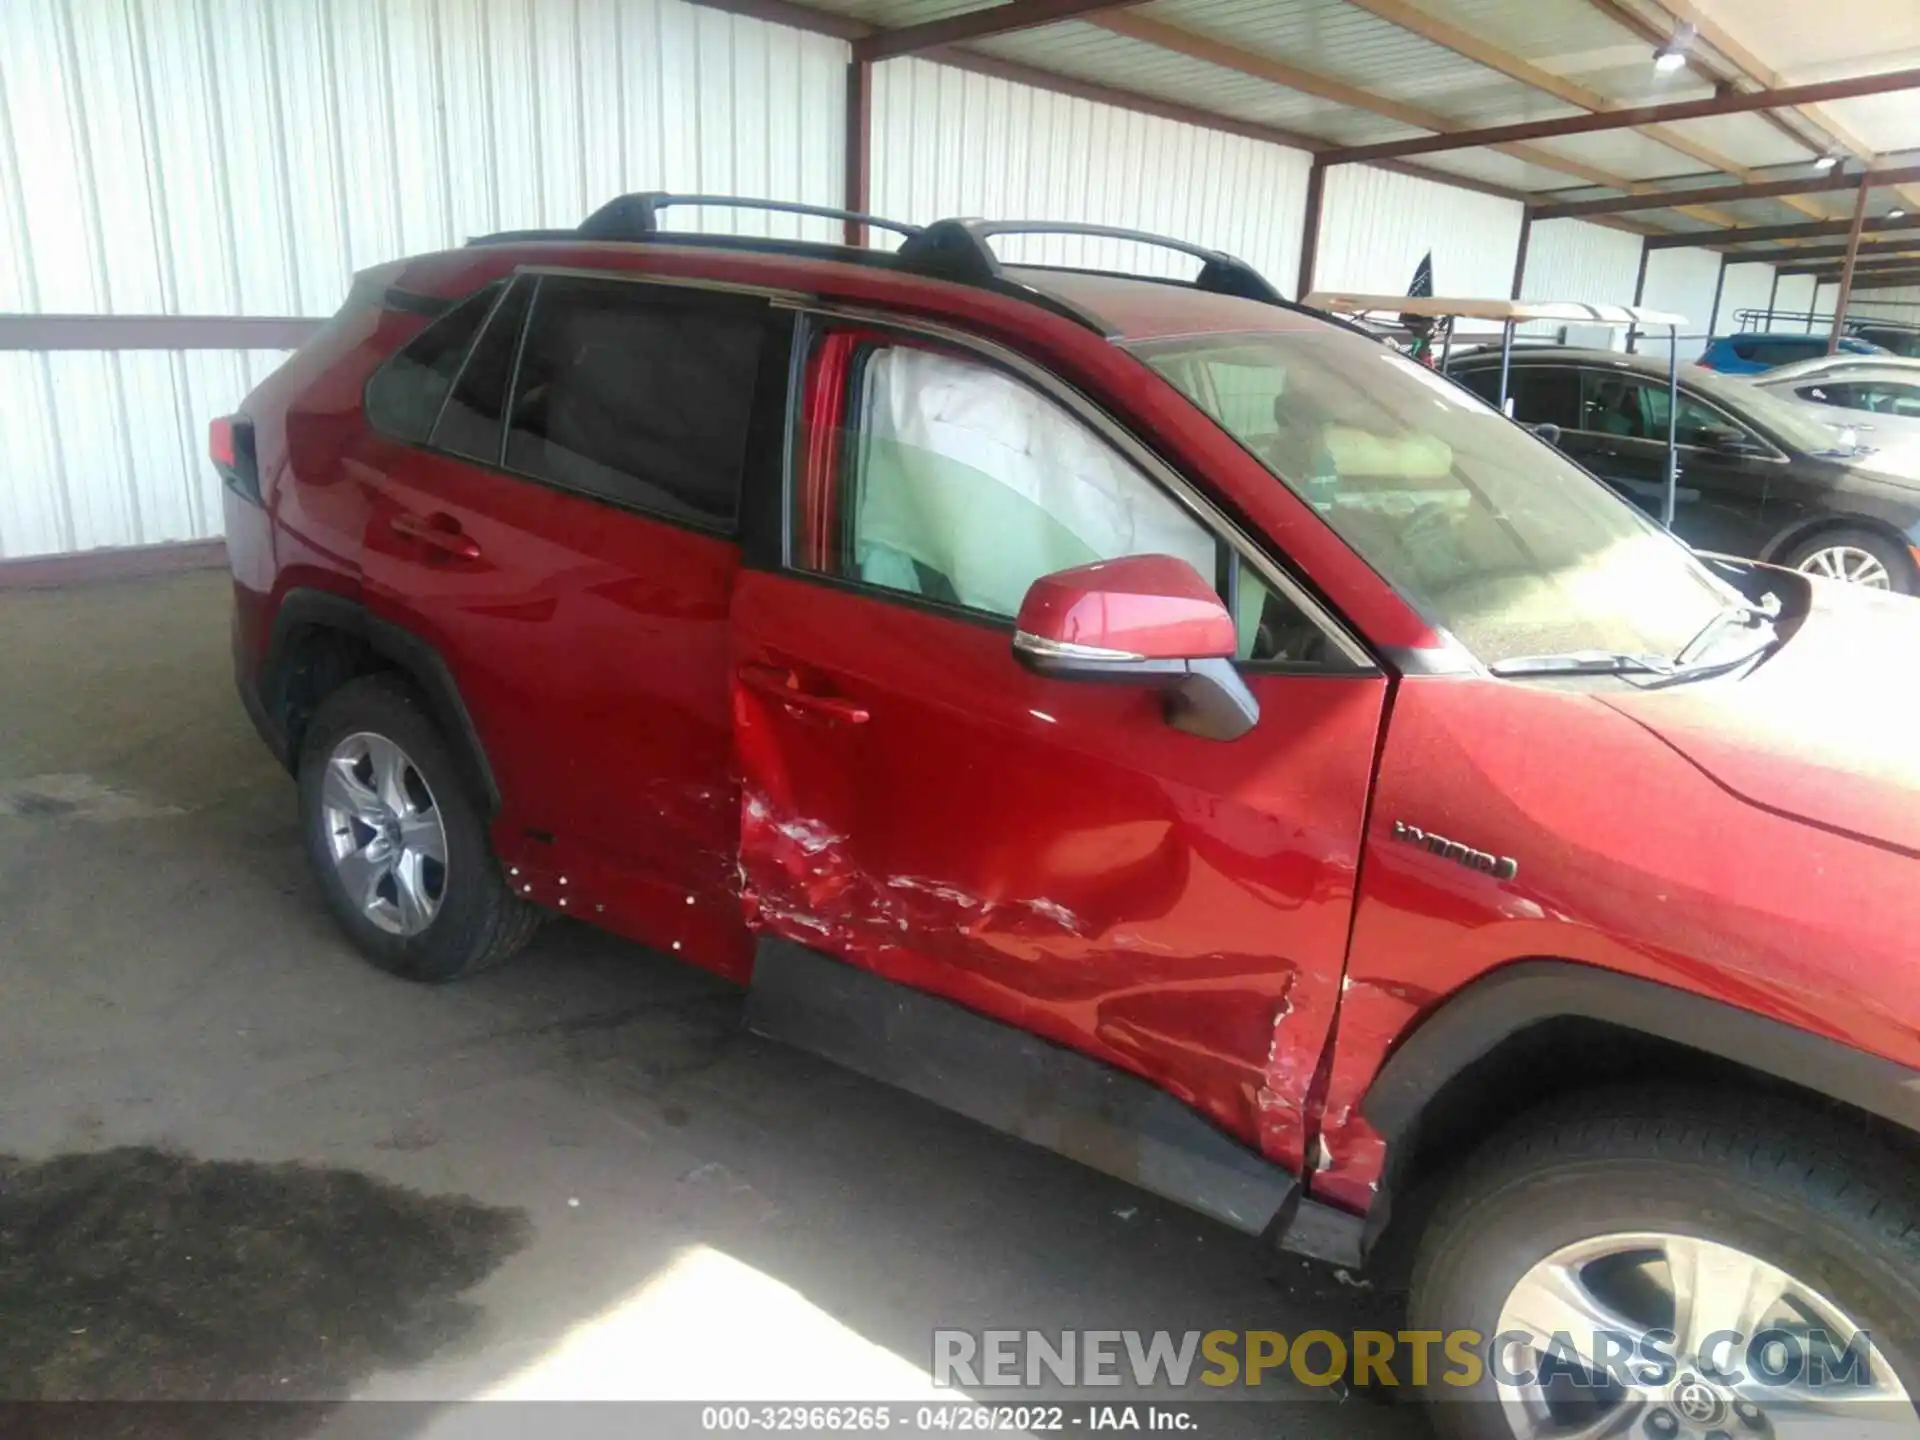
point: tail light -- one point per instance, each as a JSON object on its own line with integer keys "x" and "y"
{"x": 230, "y": 446}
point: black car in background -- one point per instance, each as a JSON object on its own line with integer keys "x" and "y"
{"x": 1757, "y": 477}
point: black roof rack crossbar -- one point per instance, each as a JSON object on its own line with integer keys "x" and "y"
{"x": 959, "y": 249}
{"x": 637, "y": 216}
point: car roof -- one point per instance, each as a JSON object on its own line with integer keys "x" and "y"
{"x": 1143, "y": 308}
{"x": 1853, "y": 364}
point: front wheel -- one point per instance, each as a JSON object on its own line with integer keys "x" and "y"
{"x": 398, "y": 845}
{"x": 1856, "y": 557}
{"x": 1667, "y": 1265}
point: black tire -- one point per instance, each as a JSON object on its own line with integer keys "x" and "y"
{"x": 1813, "y": 1194}
{"x": 1899, "y": 563}
{"x": 480, "y": 921}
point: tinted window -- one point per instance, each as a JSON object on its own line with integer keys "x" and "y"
{"x": 1829, "y": 394}
{"x": 638, "y": 394}
{"x": 1543, "y": 395}
{"x": 1783, "y": 352}
{"x": 1617, "y": 404}
{"x": 470, "y": 423}
{"x": 962, "y": 485}
{"x": 1887, "y": 397}
{"x": 404, "y": 396}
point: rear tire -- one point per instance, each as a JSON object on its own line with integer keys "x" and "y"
{"x": 440, "y": 910}
{"x": 1842, "y": 554}
{"x": 1618, "y": 1198}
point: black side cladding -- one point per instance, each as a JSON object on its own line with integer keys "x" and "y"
{"x": 1010, "y": 1080}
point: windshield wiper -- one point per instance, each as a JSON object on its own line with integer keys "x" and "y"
{"x": 1739, "y": 613}
{"x": 1585, "y": 662}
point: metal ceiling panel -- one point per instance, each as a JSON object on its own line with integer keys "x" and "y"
{"x": 1751, "y": 139}
{"x": 1572, "y": 39}
{"x": 895, "y": 14}
{"x": 1498, "y": 168}
{"x": 1346, "y": 43}
{"x": 1626, "y": 153}
{"x": 1087, "y": 52}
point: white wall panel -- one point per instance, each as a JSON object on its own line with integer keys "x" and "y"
{"x": 1747, "y": 288}
{"x": 1681, "y": 281}
{"x": 1795, "y": 297}
{"x": 949, "y": 142}
{"x": 244, "y": 157}
{"x": 1376, "y": 225}
{"x": 1575, "y": 260}
{"x": 108, "y": 447}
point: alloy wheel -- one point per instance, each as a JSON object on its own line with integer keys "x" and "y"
{"x": 1593, "y": 1306}
{"x": 384, "y": 833}
{"x": 1848, "y": 563}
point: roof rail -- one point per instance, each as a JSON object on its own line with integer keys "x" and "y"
{"x": 637, "y": 216}
{"x": 957, "y": 249}
{"x": 953, "y": 250}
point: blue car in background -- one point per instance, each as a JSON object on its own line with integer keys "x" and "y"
{"x": 1750, "y": 354}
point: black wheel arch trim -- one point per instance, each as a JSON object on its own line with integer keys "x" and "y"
{"x": 1490, "y": 1010}
{"x": 304, "y": 608}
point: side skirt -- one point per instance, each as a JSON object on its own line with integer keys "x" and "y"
{"x": 1015, "y": 1082}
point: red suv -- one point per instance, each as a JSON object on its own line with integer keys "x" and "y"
{"x": 1150, "y": 717}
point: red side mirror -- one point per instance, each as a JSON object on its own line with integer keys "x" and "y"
{"x": 1141, "y": 607}
{"x": 1147, "y": 619}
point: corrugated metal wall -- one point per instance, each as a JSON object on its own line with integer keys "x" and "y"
{"x": 1377, "y": 225}
{"x": 244, "y": 157}
{"x": 1574, "y": 260}
{"x": 1795, "y": 295}
{"x": 949, "y": 142}
{"x": 1886, "y": 304}
{"x": 1681, "y": 281}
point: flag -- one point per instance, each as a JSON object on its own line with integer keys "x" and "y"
{"x": 1421, "y": 327}
{"x": 1422, "y": 286}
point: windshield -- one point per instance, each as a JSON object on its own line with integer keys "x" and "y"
{"x": 1794, "y": 426}
{"x": 1492, "y": 534}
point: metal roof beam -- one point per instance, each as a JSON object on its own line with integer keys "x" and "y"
{"x": 1713, "y": 194}
{"x": 1276, "y": 71}
{"x": 1627, "y": 119}
{"x": 1000, "y": 19}
{"x": 1473, "y": 47}
{"x": 1754, "y": 68}
{"x": 1754, "y": 233}
{"x": 1807, "y": 254}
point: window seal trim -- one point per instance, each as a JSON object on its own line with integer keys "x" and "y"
{"x": 1361, "y": 660}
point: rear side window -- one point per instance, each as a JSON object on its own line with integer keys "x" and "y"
{"x": 404, "y": 396}
{"x": 638, "y": 394}
{"x": 470, "y": 423}
{"x": 1543, "y": 396}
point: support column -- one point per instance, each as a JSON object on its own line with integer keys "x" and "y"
{"x": 859, "y": 141}
{"x": 1310, "y": 233}
{"x": 1639, "y": 293}
{"x": 1520, "y": 255}
{"x": 1846, "y": 270}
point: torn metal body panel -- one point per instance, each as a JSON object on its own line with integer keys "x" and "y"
{"x": 1051, "y": 854}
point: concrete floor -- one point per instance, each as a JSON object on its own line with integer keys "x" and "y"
{"x": 610, "y": 1190}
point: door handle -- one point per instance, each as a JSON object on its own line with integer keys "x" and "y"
{"x": 783, "y": 685}
{"x": 438, "y": 531}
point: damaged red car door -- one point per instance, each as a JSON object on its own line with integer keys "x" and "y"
{"x": 1048, "y": 851}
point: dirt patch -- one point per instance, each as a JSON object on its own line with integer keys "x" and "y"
{"x": 136, "y": 1274}
{"x": 76, "y": 797}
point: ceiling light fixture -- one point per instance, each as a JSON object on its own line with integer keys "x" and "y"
{"x": 1672, "y": 55}
{"x": 1826, "y": 162}
{"x": 1895, "y": 214}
